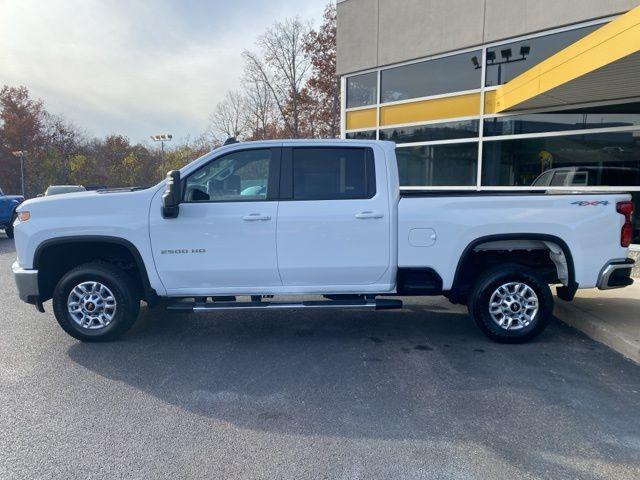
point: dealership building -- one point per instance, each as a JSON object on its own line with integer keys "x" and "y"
{"x": 497, "y": 94}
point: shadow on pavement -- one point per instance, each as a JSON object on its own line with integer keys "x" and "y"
{"x": 401, "y": 375}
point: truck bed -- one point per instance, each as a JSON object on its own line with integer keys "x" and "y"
{"x": 435, "y": 228}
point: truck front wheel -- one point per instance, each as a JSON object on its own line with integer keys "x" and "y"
{"x": 96, "y": 302}
{"x": 511, "y": 304}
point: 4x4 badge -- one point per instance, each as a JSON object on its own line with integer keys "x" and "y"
{"x": 594, "y": 203}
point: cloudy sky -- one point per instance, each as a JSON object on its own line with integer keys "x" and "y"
{"x": 134, "y": 67}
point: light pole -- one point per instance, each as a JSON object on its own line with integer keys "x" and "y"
{"x": 506, "y": 55}
{"x": 163, "y": 137}
{"x": 21, "y": 154}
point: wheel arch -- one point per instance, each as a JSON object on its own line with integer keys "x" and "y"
{"x": 565, "y": 292}
{"x": 149, "y": 294}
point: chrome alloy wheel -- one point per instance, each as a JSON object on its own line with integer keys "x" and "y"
{"x": 513, "y": 305}
{"x": 91, "y": 305}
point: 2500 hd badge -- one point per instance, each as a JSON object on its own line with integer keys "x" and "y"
{"x": 181, "y": 251}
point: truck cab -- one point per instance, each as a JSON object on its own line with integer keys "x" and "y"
{"x": 293, "y": 218}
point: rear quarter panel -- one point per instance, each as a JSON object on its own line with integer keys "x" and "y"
{"x": 588, "y": 224}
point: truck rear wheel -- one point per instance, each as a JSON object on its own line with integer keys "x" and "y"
{"x": 96, "y": 302}
{"x": 511, "y": 304}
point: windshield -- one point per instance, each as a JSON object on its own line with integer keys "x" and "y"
{"x": 56, "y": 190}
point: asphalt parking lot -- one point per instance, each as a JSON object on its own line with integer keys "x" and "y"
{"x": 417, "y": 393}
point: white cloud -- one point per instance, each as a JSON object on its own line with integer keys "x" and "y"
{"x": 135, "y": 68}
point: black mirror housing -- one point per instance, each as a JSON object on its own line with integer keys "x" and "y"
{"x": 172, "y": 195}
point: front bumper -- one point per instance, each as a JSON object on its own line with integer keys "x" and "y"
{"x": 616, "y": 274}
{"x": 27, "y": 283}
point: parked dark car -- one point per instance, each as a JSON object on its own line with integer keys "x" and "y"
{"x": 8, "y": 205}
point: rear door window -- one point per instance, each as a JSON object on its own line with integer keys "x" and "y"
{"x": 333, "y": 173}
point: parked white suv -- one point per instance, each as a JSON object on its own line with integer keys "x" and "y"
{"x": 313, "y": 217}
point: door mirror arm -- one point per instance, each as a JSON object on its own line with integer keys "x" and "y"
{"x": 172, "y": 195}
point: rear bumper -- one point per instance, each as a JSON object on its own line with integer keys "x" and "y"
{"x": 616, "y": 274}
{"x": 27, "y": 283}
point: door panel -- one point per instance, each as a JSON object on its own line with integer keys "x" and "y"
{"x": 225, "y": 233}
{"x": 334, "y": 238}
{"x": 213, "y": 245}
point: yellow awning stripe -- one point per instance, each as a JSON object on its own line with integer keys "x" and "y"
{"x": 435, "y": 109}
{"x": 361, "y": 119}
{"x": 614, "y": 41}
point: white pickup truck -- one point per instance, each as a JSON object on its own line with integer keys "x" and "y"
{"x": 301, "y": 217}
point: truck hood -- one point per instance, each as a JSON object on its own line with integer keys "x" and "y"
{"x": 70, "y": 204}
{"x": 19, "y": 198}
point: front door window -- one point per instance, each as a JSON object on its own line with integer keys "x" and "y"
{"x": 237, "y": 177}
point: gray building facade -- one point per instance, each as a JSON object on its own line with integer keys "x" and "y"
{"x": 374, "y": 33}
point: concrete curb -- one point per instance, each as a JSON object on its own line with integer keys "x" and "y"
{"x": 597, "y": 329}
{"x": 634, "y": 253}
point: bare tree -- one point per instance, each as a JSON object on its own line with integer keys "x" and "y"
{"x": 228, "y": 118}
{"x": 282, "y": 65}
{"x": 259, "y": 105}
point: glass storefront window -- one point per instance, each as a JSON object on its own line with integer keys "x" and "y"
{"x": 432, "y": 77}
{"x": 623, "y": 115}
{"x": 431, "y": 132}
{"x": 505, "y": 62}
{"x": 362, "y": 90}
{"x": 601, "y": 159}
{"x": 366, "y": 135}
{"x": 438, "y": 165}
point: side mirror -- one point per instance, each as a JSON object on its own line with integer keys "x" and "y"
{"x": 172, "y": 195}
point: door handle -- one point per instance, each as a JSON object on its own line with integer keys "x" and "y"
{"x": 252, "y": 217}
{"x": 368, "y": 214}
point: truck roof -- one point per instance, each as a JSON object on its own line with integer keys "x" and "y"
{"x": 308, "y": 141}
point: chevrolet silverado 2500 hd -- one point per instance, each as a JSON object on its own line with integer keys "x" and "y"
{"x": 327, "y": 218}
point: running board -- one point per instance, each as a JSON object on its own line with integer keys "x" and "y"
{"x": 377, "y": 304}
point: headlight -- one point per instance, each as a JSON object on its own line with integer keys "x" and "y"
{"x": 24, "y": 216}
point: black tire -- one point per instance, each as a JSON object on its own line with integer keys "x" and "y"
{"x": 121, "y": 285}
{"x": 489, "y": 282}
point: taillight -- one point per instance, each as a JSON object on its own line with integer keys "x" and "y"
{"x": 626, "y": 233}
